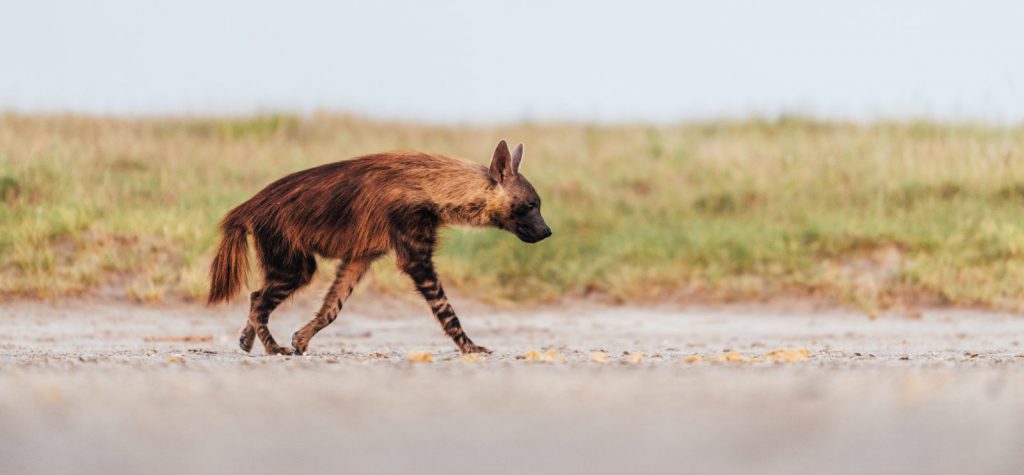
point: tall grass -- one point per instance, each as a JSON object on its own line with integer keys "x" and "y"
{"x": 872, "y": 215}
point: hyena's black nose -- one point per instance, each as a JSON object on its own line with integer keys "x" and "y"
{"x": 547, "y": 232}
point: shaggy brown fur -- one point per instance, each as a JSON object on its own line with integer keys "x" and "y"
{"x": 356, "y": 211}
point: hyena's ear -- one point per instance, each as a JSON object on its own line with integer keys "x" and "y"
{"x": 501, "y": 163}
{"x": 517, "y": 158}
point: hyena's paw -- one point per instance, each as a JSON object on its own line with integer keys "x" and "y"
{"x": 299, "y": 344}
{"x": 474, "y": 348}
{"x": 280, "y": 350}
{"x": 246, "y": 339}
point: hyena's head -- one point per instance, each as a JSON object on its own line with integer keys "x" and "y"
{"x": 513, "y": 204}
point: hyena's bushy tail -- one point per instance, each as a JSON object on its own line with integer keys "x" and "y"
{"x": 231, "y": 265}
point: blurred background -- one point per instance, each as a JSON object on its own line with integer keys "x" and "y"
{"x": 867, "y": 152}
{"x": 465, "y": 61}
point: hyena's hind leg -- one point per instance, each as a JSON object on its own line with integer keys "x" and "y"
{"x": 248, "y": 336}
{"x": 280, "y": 282}
{"x": 348, "y": 275}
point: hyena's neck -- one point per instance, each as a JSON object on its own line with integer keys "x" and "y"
{"x": 462, "y": 194}
{"x": 472, "y": 212}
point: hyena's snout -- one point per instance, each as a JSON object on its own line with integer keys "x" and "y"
{"x": 532, "y": 233}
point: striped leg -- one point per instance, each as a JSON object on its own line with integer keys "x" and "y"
{"x": 270, "y": 296}
{"x": 281, "y": 281}
{"x": 345, "y": 280}
{"x": 284, "y": 272}
{"x": 248, "y": 336}
{"x": 421, "y": 269}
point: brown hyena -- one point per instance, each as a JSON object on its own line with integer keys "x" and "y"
{"x": 356, "y": 211}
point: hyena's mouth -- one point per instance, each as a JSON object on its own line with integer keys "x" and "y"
{"x": 530, "y": 235}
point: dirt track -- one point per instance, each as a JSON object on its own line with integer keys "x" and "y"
{"x": 81, "y": 390}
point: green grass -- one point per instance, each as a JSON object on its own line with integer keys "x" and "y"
{"x": 873, "y": 215}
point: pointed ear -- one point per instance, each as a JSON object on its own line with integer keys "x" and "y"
{"x": 501, "y": 163}
{"x": 517, "y": 158}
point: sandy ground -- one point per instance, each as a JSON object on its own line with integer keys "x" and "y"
{"x": 83, "y": 391}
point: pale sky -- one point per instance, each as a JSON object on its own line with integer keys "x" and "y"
{"x": 468, "y": 61}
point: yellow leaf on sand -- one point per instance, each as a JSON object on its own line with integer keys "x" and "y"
{"x": 732, "y": 356}
{"x": 635, "y": 358}
{"x": 736, "y": 356}
{"x": 553, "y": 356}
{"x": 785, "y": 355}
{"x": 419, "y": 357}
{"x": 788, "y": 355}
{"x": 175, "y": 359}
{"x": 599, "y": 357}
{"x": 472, "y": 358}
{"x": 550, "y": 356}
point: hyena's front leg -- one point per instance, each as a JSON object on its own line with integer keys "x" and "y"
{"x": 345, "y": 280}
{"x": 420, "y": 268}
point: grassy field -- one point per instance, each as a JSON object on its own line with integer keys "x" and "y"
{"x": 875, "y": 216}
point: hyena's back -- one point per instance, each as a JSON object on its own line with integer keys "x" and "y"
{"x": 351, "y": 207}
